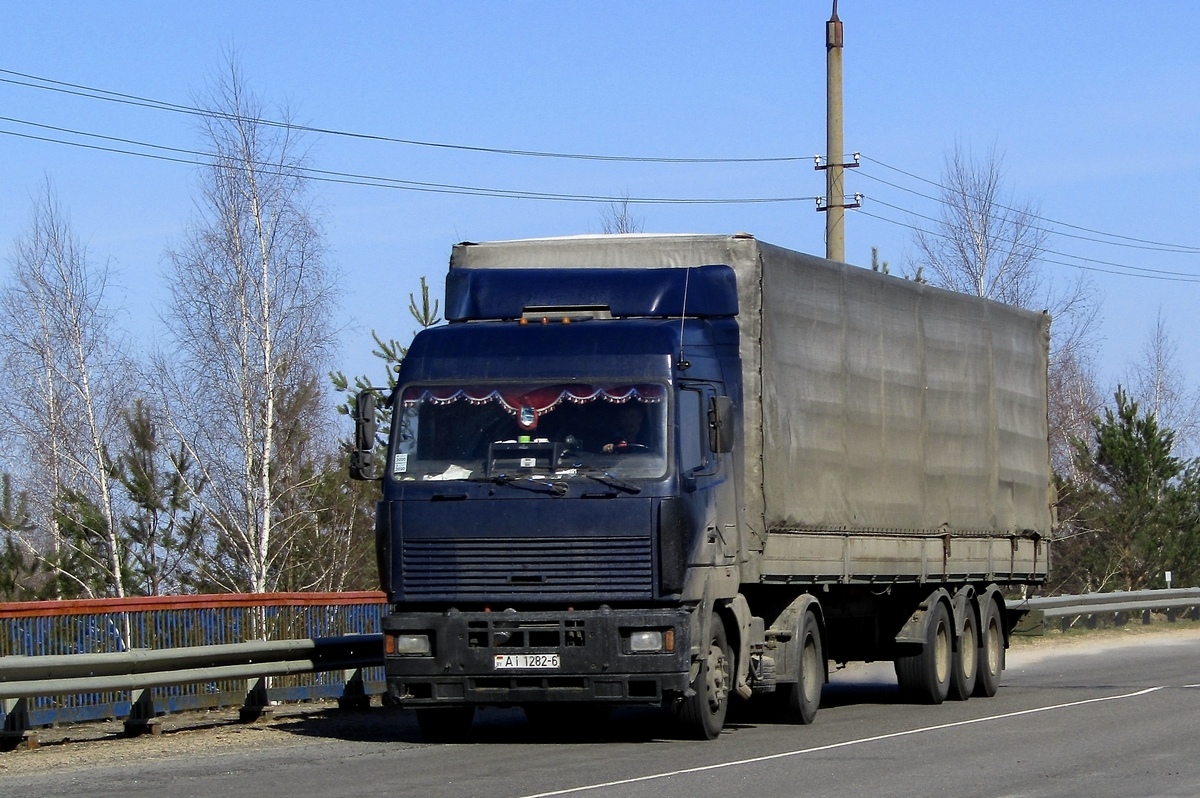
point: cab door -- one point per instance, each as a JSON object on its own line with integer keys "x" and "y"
{"x": 706, "y": 478}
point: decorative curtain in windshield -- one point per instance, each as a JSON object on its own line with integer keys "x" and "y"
{"x": 528, "y": 405}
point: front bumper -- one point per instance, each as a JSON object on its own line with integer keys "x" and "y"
{"x": 595, "y": 662}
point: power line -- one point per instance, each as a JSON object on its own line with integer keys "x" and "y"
{"x": 1172, "y": 248}
{"x": 198, "y": 158}
{"x": 92, "y": 93}
{"x": 1050, "y": 251}
{"x": 1046, "y": 250}
{"x": 1184, "y": 248}
{"x": 1122, "y": 270}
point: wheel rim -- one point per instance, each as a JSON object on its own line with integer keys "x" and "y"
{"x": 968, "y": 649}
{"x": 993, "y": 646}
{"x": 810, "y": 682}
{"x": 942, "y": 654}
{"x": 717, "y": 677}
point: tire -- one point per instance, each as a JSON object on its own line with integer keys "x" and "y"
{"x": 445, "y": 724}
{"x": 991, "y": 651}
{"x": 924, "y": 675}
{"x": 966, "y": 658}
{"x": 704, "y": 711}
{"x": 803, "y": 699}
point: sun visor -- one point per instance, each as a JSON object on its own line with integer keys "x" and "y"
{"x": 509, "y": 293}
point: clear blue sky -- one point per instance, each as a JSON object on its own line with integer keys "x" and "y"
{"x": 1094, "y": 106}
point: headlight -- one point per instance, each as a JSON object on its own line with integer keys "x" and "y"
{"x": 646, "y": 640}
{"x": 412, "y": 645}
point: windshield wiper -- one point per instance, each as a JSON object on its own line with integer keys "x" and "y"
{"x": 529, "y": 483}
{"x": 605, "y": 478}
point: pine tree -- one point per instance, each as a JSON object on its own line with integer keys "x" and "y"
{"x": 18, "y": 567}
{"x": 163, "y": 529}
{"x": 1132, "y": 512}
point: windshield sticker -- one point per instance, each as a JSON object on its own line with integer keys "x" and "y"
{"x": 452, "y": 473}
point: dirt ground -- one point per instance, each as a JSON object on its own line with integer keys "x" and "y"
{"x": 188, "y": 733}
{"x": 185, "y": 734}
{"x": 1032, "y": 646}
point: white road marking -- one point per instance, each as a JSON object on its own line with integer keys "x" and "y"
{"x": 832, "y": 746}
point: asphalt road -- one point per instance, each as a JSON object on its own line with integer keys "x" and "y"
{"x": 1102, "y": 720}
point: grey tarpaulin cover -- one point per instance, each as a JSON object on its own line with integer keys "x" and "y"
{"x": 872, "y": 403}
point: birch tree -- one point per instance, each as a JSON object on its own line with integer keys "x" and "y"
{"x": 989, "y": 244}
{"x": 250, "y": 328}
{"x": 616, "y": 217}
{"x": 1155, "y": 382}
{"x": 984, "y": 244}
{"x": 67, "y": 377}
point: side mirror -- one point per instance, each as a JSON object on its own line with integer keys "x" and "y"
{"x": 720, "y": 424}
{"x": 366, "y": 425}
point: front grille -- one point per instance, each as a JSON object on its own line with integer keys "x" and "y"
{"x": 486, "y": 568}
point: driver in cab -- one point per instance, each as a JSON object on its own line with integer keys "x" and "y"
{"x": 630, "y": 420}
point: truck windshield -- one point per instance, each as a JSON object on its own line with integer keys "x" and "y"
{"x": 559, "y": 431}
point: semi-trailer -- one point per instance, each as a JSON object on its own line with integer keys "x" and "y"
{"x": 689, "y": 469}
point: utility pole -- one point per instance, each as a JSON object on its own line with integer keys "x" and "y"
{"x": 835, "y": 194}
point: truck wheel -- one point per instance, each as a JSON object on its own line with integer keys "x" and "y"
{"x": 991, "y": 659}
{"x": 925, "y": 675}
{"x": 804, "y": 697}
{"x": 966, "y": 658}
{"x": 704, "y": 710}
{"x": 445, "y": 724}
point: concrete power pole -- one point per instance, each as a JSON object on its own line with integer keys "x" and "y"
{"x": 835, "y": 194}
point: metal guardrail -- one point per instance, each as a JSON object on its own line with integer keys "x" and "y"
{"x": 25, "y": 677}
{"x": 22, "y": 678}
{"x": 1122, "y": 605}
{"x": 139, "y": 672}
{"x": 139, "y": 659}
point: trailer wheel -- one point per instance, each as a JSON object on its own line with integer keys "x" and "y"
{"x": 966, "y": 658}
{"x": 804, "y": 697}
{"x": 925, "y": 674}
{"x": 991, "y": 660}
{"x": 704, "y": 711}
{"x": 445, "y": 724}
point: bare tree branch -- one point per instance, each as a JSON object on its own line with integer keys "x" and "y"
{"x": 250, "y": 316}
{"x": 1156, "y": 383}
{"x": 990, "y": 245}
{"x": 617, "y": 218}
{"x": 69, "y": 377}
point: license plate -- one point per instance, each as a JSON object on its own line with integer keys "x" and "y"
{"x": 535, "y": 662}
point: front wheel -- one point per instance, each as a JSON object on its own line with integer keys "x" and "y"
{"x": 704, "y": 710}
{"x": 804, "y": 697}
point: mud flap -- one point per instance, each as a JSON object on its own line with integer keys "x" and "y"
{"x": 749, "y": 631}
